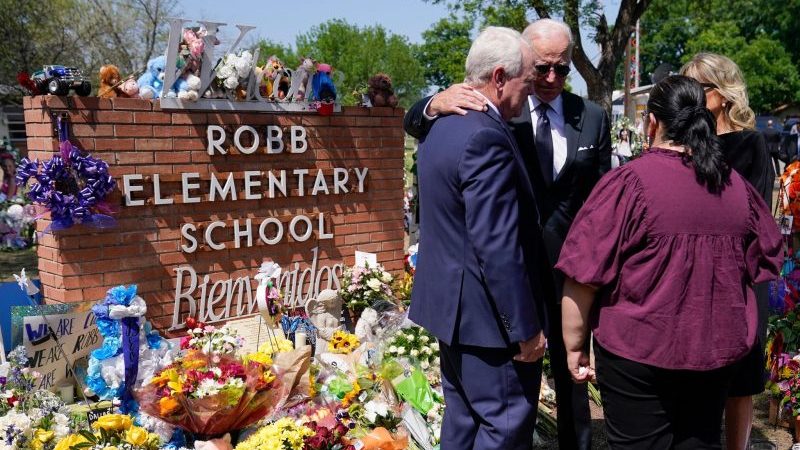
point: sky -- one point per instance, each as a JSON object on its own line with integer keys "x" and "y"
{"x": 282, "y": 21}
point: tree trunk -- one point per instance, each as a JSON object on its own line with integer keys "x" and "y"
{"x": 600, "y": 92}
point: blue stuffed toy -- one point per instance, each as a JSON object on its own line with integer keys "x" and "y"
{"x": 322, "y": 84}
{"x": 151, "y": 83}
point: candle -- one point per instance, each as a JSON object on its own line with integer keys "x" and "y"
{"x": 67, "y": 392}
{"x": 299, "y": 339}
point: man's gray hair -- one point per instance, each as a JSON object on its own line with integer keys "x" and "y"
{"x": 494, "y": 47}
{"x": 544, "y": 29}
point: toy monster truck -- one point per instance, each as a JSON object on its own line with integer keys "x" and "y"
{"x": 58, "y": 80}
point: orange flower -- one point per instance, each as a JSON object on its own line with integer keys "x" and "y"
{"x": 168, "y": 405}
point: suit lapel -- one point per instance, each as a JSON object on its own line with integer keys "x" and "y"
{"x": 573, "y": 121}
{"x": 517, "y": 154}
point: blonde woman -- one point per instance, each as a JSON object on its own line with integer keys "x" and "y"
{"x": 746, "y": 152}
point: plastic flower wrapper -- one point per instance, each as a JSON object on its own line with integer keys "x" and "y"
{"x": 212, "y": 394}
{"x": 411, "y": 384}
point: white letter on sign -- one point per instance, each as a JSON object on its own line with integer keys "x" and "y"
{"x": 186, "y": 232}
{"x": 126, "y": 183}
{"x": 299, "y": 137}
{"x": 237, "y": 139}
{"x": 274, "y": 136}
{"x": 215, "y": 142}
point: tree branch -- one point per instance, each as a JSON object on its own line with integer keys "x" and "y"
{"x": 579, "y": 57}
{"x": 629, "y": 12}
{"x": 541, "y": 9}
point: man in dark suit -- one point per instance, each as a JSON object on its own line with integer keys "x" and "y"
{"x": 473, "y": 289}
{"x": 773, "y": 140}
{"x": 566, "y": 146}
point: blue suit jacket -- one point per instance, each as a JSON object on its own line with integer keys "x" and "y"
{"x": 477, "y": 278}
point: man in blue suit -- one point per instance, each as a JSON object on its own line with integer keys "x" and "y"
{"x": 477, "y": 287}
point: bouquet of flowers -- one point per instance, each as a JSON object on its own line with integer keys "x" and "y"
{"x": 210, "y": 394}
{"x": 29, "y": 417}
{"x": 113, "y": 431}
{"x": 212, "y": 340}
{"x": 362, "y": 286}
{"x": 17, "y": 223}
{"x": 325, "y": 438}
{"x": 209, "y": 390}
{"x": 416, "y": 344}
{"x": 343, "y": 342}
{"x": 285, "y": 434}
{"x": 232, "y": 71}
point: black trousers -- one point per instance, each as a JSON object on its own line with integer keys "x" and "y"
{"x": 572, "y": 400}
{"x": 648, "y": 407}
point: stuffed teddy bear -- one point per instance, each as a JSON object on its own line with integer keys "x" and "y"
{"x": 380, "y": 91}
{"x": 151, "y": 83}
{"x": 272, "y": 74}
{"x": 109, "y": 81}
{"x": 322, "y": 84}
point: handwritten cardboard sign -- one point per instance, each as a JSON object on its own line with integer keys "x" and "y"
{"x": 75, "y": 327}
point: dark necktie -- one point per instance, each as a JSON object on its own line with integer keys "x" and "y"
{"x": 544, "y": 142}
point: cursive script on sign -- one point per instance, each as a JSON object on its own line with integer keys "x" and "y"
{"x": 227, "y": 299}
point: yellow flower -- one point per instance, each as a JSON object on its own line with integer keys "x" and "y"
{"x": 69, "y": 441}
{"x": 350, "y": 396}
{"x": 259, "y": 357}
{"x": 113, "y": 422}
{"x": 277, "y": 345}
{"x": 136, "y": 435}
{"x": 41, "y": 437}
{"x": 110, "y": 447}
{"x": 343, "y": 342}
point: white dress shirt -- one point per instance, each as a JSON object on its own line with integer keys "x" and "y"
{"x": 556, "y": 116}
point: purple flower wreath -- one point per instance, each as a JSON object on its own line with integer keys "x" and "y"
{"x": 71, "y": 186}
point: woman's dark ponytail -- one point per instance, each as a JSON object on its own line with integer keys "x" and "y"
{"x": 679, "y": 104}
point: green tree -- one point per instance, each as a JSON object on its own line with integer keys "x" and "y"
{"x": 82, "y": 33}
{"x": 444, "y": 50}
{"x": 268, "y": 48}
{"x": 360, "y": 53}
{"x": 747, "y": 31}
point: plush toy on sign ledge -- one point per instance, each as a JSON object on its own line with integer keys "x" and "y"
{"x": 151, "y": 83}
{"x": 380, "y": 91}
{"x": 112, "y": 85}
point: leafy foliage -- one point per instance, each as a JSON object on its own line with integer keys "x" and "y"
{"x": 82, "y": 33}
{"x": 444, "y": 50}
{"x": 360, "y": 53}
{"x": 754, "y": 33}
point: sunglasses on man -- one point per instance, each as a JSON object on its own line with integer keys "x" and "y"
{"x": 561, "y": 70}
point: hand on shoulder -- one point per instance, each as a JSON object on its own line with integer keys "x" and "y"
{"x": 456, "y": 99}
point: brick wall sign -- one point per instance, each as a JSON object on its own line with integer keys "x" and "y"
{"x": 204, "y": 197}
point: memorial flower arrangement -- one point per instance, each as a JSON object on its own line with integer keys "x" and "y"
{"x": 416, "y": 344}
{"x": 233, "y": 70}
{"x": 362, "y": 286}
{"x": 113, "y": 431}
{"x": 343, "y": 342}
{"x": 17, "y": 224}
{"x": 284, "y": 434}
{"x": 212, "y": 340}
{"x": 73, "y": 187}
{"x": 210, "y": 390}
{"x": 29, "y": 417}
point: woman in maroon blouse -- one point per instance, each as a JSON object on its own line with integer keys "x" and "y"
{"x": 684, "y": 240}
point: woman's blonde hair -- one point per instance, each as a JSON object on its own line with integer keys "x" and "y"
{"x": 723, "y": 73}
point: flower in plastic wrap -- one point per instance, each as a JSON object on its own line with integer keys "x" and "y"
{"x": 276, "y": 345}
{"x": 213, "y": 394}
{"x": 111, "y": 431}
